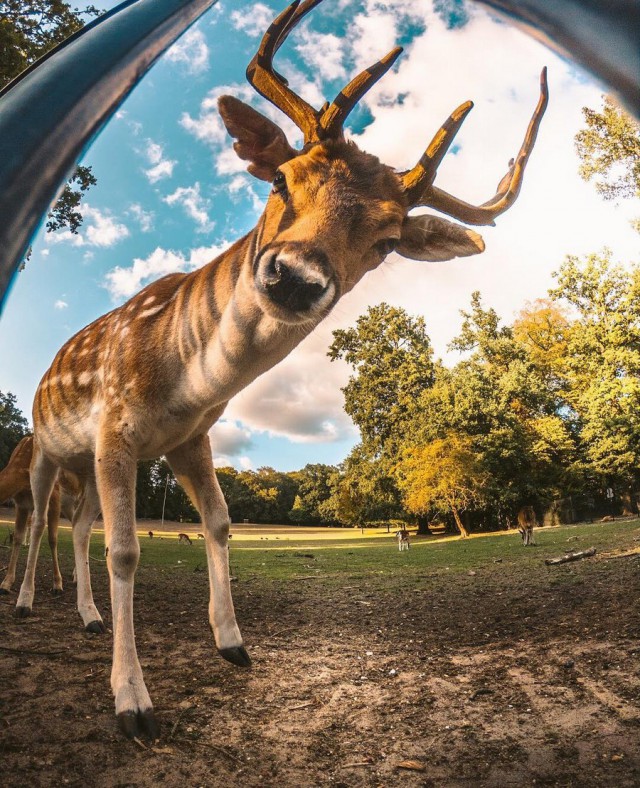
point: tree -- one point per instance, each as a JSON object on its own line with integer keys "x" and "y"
{"x": 313, "y": 490}
{"x": 391, "y": 356}
{"x": 13, "y": 426}
{"x": 28, "y": 30}
{"x": 603, "y": 360}
{"x": 609, "y": 148}
{"x": 445, "y": 476}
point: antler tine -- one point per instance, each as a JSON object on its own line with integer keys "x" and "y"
{"x": 300, "y": 11}
{"x": 333, "y": 118}
{"x": 509, "y": 186}
{"x": 423, "y": 174}
{"x": 264, "y": 79}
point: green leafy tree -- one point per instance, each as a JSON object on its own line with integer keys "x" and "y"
{"x": 391, "y": 356}
{"x": 13, "y": 426}
{"x": 609, "y": 148}
{"x": 313, "y": 490}
{"x": 28, "y": 30}
{"x": 603, "y": 359}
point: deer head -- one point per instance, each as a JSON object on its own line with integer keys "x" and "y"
{"x": 335, "y": 212}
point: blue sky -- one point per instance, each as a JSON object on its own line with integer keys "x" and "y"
{"x": 171, "y": 194}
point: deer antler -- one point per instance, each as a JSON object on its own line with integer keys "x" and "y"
{"x": 316, "y": 125}
{"x": 418, "y": 181}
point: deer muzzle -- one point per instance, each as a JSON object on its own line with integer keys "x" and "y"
{"x": 295, "y": 279}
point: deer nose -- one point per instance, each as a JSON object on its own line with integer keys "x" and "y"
{"x": 292, "y": 281}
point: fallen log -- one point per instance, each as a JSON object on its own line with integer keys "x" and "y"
{"x": 563, "y": 559}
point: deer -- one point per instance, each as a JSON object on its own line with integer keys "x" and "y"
{"x": 403, "y": 539}
{"x": 152, "y": 376}
{"x": 15, "y": 484}
{"x": 527, "y": 520}
{"x": 185, "y": 539}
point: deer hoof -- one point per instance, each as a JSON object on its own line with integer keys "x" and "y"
{"x": 56, "y": 592}
{"x": 97, "y": 627}
{"x": 22, "y": 612}
{"x": 135, "y": 724}
{"x": 4, "y": 591}
{"x": 237, "y": 655}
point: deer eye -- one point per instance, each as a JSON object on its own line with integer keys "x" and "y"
{"x": 386, "y": 246}
{"x": 280, "y": 185}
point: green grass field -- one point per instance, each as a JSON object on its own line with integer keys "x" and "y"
{"x": 350, "y": 556}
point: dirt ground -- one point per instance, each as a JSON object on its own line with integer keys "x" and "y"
{"x": 491, "y": 678}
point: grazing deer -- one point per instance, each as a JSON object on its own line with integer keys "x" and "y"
{"x": 150, "y": 534}
{"x": 15, "y": 484}
{"x": 184, "y": 539}
{"x": 201, "y": 536}
{"x": 526, "y": 522}
{"x": 151, "y": 377}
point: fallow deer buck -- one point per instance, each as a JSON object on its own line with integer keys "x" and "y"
{"x": 151, "y": 377}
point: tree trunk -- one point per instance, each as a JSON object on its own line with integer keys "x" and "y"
{"x": 463, "y": 531}
{"x": 423, "y": 527}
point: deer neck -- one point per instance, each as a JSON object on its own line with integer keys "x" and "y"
{"x": 244, "y": 341}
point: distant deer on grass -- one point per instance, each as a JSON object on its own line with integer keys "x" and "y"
{"x": 527, "y": 520}
{"x": 150, "y": 534}
{"x": 15, "y": 484}
{"x": 151, "y": 377}
{"x": 403, "y": 539}
{"x": 184, "y": 539}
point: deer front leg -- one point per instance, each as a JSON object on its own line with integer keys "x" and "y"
{"x": 43, "y": 477}
{"x": 193, "y": 466}
{"x": 116, "y": 477}
{"x": 22, "y": 517}
{"x": 83, "y": 520}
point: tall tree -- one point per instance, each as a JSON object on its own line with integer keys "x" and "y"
{"x": 28, "y": 30}
{"x": 392, "y": 359}
{"x": 444, "y": 476}
{"x": 13, "y": 426}
{"x": 609, "y": 148}
{"x": 603, "y": 358}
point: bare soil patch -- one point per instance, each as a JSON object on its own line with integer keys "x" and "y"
{"x": 503, "y": 678}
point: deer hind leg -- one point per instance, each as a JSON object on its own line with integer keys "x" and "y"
{"x": 193, "y": 467}
{"x": 43, "y": 478}
{"x": 83, "y": 519}
{"x": 116, "y": 477}
{"x": 22, "y": 517}
{"x": 53, "y": 518}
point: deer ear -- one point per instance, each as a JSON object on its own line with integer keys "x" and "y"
{"x": 258, "y": 140}
{"x": 431, "y": 238}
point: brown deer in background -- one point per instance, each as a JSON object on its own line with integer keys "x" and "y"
{"x": 15, "y": 484}
{"x": 527, "y": 521}
{"x": 151, "y": 377}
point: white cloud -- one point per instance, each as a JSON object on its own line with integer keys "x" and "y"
{"x": 323, "y": 53}
{"x": 98, "y": 229}
{"x": 300, "y": 399}
{"x": 162, "y": 166}
{"x": 123, "y": 282}
{"x": 242, "y": 186}
{"x": 230, "y": 438}
{"x": 194, "y": 204}
{"x": 60, "y": 304}
{"x": 144, "y": 218}
{"x": 253, "y": 20}
{"x": 192, "y": 51}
